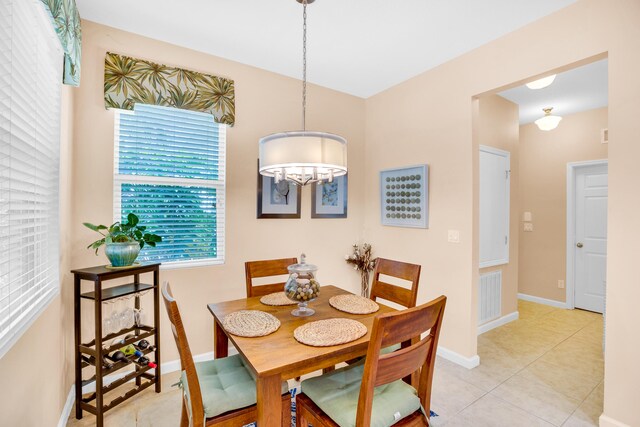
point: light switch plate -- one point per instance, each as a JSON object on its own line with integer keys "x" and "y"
{"x": 528, "y": 226}
{"x": 454, "y": 236}
{"x": 561, "y": 284}
{"x": 527, "y": 217}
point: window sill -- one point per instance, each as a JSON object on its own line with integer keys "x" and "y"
{"x": 176, "y": 265}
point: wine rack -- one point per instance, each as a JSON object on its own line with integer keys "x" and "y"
{"x": 90, "y": 354}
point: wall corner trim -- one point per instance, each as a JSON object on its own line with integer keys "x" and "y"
{"x": 458, "y": 359}
{"x": 606, "y": 421}
{"x": 545, "y": 301}
{"x": 498, "y": 322}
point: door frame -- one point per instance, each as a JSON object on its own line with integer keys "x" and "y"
{"x": 572, "y": 169}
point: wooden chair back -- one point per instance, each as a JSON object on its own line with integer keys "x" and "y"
{"x": 186, "y": 359}
{"x": 420, "y": 356}
{"x": 402, "y": 270}
{"x": 266, "y": 268}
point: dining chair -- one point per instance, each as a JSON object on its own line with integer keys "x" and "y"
{"x": 401, "y": 270}
{"x": 373, "y": 393}
{"x": 266, "y": 268}
{"x": 405, "y": 297}
{"x": 219, "y": 392}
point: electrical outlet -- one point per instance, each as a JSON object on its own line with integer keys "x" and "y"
{"x": 454, "y": 236}
{"x": 561, "y": 284}
{"x": 528, "y": 226}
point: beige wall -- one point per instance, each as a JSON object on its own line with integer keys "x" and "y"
{"x": 265, "y": 103}
{"x": 36, "y": 372}
{"x": 543, "y": 192}
{"x": 428, "y": 119}
{"x": 498, "y": 127}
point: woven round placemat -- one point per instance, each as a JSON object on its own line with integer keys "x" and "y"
{"x": 277, "y": 298}
{"x": 353, "y": 304}
{"x": 250, "y": 323}
{"x": 324, "y": 333}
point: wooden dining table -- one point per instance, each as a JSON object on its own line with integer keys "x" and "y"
{"x": 278, "y": 357}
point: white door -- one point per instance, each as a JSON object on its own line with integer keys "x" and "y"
{"x": 591, "y": 190}
{"x": 494, "y": 206}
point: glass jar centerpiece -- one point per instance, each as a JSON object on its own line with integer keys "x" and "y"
{"x": 302, "y": 286}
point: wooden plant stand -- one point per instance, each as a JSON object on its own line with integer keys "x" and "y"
{"x": 143, "y": 378}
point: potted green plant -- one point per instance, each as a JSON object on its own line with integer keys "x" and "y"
{"x": 123, "y": 240}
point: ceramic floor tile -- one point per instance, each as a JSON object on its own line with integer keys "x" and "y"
{"x": 164, "y": 411}
{"x": 487, "y": 376}
{"x": 489, "y": 411}
{"x": 570, "y": 381}
{"x": 451, "y": 395}
{"x": 589, "y": 412}
{"x": 537, "y": 398}
{"x": 530, "y": 310}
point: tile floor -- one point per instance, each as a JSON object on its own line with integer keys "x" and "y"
{"x": 545, "y": 369}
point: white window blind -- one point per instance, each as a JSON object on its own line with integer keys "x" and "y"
{"x": 170, "y": 171}
{"x": 30, "y": 79}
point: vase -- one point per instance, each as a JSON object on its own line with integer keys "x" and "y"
{"x": 122, "y": 254}
{"x": 302, "y": 286}
{"x": 364, "y": 284}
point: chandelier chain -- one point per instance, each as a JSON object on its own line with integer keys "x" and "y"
{"x": 304, "y": 65}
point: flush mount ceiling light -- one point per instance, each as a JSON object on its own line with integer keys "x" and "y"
{"x": 541, "y": 83}
{"x": 303, "y": 156}
{"x": 548, "y": 122}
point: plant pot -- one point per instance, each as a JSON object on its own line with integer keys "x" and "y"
{"x": 122, "y": 254}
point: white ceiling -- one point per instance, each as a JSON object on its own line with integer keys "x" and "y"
{"x": 359, "y": 47}
{"x": 583, "y": 88}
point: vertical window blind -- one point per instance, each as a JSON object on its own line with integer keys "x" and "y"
{"x": 30, "y": 76}
{"x": 170, "y": 171}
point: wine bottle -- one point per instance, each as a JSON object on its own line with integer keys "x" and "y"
{"x": 131, "y": 350}
{"x": 118, "y": 356}
{"x": 144, "y": 345}
{"x": 92, "y": 360}
{"x": 144, "y": 361}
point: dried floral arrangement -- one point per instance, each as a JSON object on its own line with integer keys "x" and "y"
{"x": 362, "y": 261}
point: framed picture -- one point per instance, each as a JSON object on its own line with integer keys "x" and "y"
{"x": 329, "y": 200}
{"x": 404, "y": 197}
{"x": 281, "y": 200}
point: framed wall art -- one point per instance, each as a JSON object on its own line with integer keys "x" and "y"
{"x": 404, "y": 197}
{"x": 281, "y": 200}
{"x": 329, "y": 200}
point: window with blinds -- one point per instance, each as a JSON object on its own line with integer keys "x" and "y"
{"x": 30, "y": 80}
{"x": 170, "y": 171}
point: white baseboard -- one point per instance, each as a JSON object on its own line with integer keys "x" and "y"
{"x": 545, "y": 301}
{"x": 498, "y": 322}
{"x": 457, "y": 358}
{"x": 606, "y": 421}
{"x": 66, "y": 410}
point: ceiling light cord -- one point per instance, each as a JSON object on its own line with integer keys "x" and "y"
{"x": 304, "y": 65}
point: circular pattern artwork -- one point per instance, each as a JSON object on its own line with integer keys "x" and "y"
{"x": 404, "y": 197}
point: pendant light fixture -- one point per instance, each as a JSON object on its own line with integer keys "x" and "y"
{"x": 548, "y": 122}
{"x": 303, "y": 156}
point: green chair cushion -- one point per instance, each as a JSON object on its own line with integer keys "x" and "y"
{"x": 337, "y": 392}
{"x": 390, "y": 349}
{"x": 226, "y": 385}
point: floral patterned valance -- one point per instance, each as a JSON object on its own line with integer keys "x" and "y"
{"x": 129, "y": 80}
{"x": 66, "y": 22}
